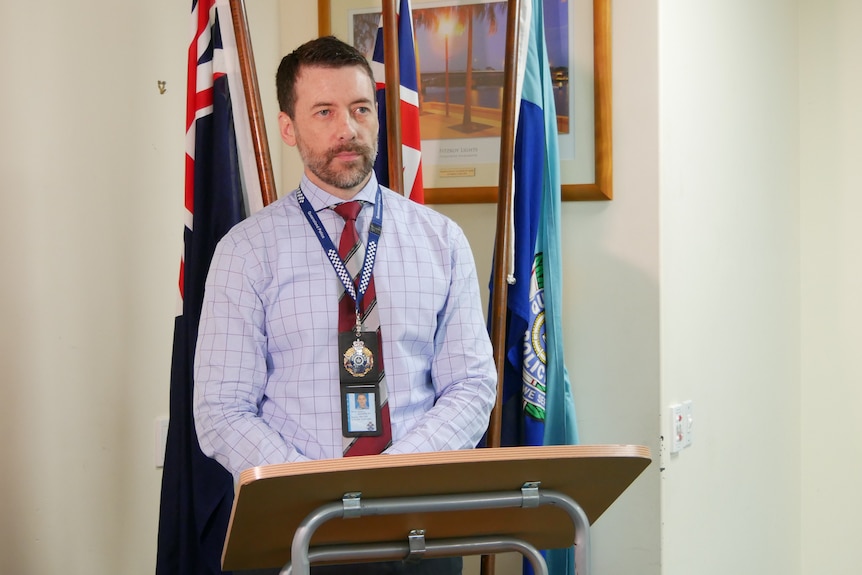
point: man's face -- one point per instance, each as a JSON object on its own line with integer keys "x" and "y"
{"x": 334, "y": 127}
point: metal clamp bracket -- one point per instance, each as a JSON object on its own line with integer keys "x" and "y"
{"x": 416, "y": 542}
{"x": 352, "y": 503}
{"x": 530, "y": 493}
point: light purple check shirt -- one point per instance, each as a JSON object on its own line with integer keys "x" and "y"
{"x": 266, "y": 364}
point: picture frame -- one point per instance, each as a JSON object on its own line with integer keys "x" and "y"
{"x": 464, "y": 168}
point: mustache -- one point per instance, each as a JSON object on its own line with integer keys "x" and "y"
{"x": 350, "y": 147}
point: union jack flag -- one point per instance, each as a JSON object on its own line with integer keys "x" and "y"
{"x": 220, "y": 189}
{"x": 411, "y": 144}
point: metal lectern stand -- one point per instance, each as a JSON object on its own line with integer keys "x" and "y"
{"x": 419, "y": 506}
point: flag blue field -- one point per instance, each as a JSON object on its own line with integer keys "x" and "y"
{"x": 411, "y": 142}
{"x": 538, "y": 407}
{"x": 197, "y": 492}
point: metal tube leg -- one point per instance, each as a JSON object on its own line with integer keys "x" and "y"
{"x": 582, "y": 527}
{"x": 302, "y": 537}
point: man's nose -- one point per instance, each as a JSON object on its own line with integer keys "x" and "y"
{"x": 346, "y": 127}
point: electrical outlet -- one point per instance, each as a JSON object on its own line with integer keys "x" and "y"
{"x": 681, "y": 424}
{"x": 687, "y": 423}
{"x": 677, "y": 435}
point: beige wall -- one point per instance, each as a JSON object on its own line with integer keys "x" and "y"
{"x": 759, "y": 203}
{"x": 751, "y": 269}
{"x": 730, "y": 281}
{"x": 831, "y": 145}
{"x": 89, "y": 244}
{"x": 91, "y": 176}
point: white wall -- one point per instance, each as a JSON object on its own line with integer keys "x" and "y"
{"x": 730, "y": 282}
{"x": 831, "y": 136}
{"x": 91, "y": 176}
{"x": 612, "y": 307}
{"x": 91, "y": 182}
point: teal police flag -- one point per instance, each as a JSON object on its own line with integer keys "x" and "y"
{"x": 538, "y": 407}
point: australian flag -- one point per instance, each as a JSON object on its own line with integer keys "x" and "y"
{"x": 197, "y": 492}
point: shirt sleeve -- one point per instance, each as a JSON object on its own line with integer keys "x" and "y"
{"x": 462, "y": 369}
{"x": 231, "y": 366}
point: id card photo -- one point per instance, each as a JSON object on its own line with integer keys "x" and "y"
{"x": 361, "y": 412}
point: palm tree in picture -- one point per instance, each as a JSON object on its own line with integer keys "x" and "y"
{"x": 453, "y": 20}
{"x": 470, "y": 14}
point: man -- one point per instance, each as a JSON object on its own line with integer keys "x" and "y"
{"x": 362, "y": 401}
{"x": 285, "y": 338}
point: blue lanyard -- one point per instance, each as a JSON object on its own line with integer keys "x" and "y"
{"x": 332, "y": 253}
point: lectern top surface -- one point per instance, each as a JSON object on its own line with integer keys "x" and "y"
{"x": 272, "y": 500}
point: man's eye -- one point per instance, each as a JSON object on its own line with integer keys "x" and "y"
{"x": 323, "y": 113}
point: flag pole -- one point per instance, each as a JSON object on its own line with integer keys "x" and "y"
{"x": 252, "y": 98}
{"x": 502, "y": 245}
{"x": 392, "y": 68}
{"x": 504, "y": 214}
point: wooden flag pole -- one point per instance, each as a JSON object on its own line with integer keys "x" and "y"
{"x": 504, "y": 214}
{"x": 392, "y": 65}
{"x": 253, "y": 103}
{"x": 503, "y": 241}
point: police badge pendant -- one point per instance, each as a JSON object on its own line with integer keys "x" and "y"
{"x": 360, "y": 388}
{"x": 358, "y": 359}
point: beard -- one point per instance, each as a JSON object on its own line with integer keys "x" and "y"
{"x": 350, "y": 175}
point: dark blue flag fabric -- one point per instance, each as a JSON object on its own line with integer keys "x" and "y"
{"x": 538, "y": 407}
{"x": 197, "y": 492}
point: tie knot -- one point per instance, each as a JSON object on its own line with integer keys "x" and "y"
{"x": 348, "y": 210}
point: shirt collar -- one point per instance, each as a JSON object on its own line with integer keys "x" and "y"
{"x": 321, "y": 199}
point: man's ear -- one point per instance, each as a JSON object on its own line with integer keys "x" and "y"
{"x": 286, "y": 129}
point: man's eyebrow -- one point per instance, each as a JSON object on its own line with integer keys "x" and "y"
{"x": 325, "y": 104}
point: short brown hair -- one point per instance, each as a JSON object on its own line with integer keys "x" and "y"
{"x": 325, "y": 52}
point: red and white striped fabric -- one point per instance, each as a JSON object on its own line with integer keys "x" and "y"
{"x": 411, "y": 143}
{"x": 212, "y": 59}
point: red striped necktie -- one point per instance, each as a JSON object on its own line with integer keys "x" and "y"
{"x": 353, "y": 254}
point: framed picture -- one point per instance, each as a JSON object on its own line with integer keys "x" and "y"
{"x": 460, "y": 130}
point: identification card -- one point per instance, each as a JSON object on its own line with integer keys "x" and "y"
{"x": 360, "y": 412}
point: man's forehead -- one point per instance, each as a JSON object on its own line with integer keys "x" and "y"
{"x": 308, "y": 70}
{"x": 314, "y": 87}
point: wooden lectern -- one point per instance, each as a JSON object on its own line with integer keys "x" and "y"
{"x": 387, "y": 507}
